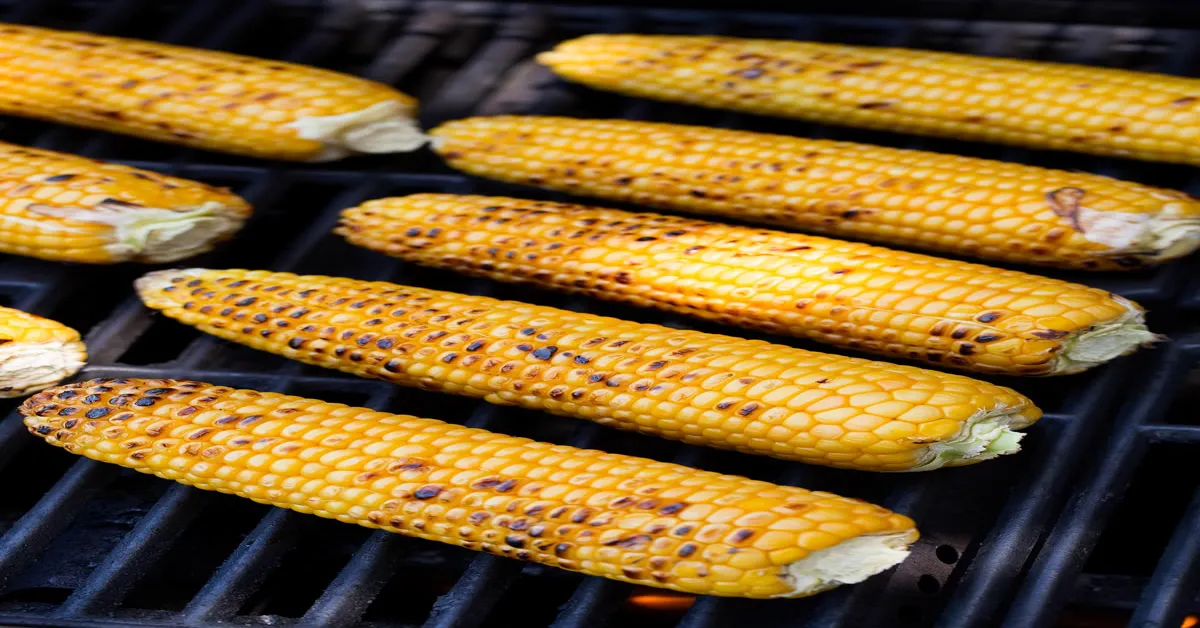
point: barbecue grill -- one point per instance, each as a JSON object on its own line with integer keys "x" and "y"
{"x": 1096, "y": 523}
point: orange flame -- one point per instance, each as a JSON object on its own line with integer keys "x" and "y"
{"x": 1189, "y": 621}
{"x": 669, "y": 602}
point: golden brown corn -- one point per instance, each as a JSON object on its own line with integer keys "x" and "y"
{"x": 63, "y": 207}
{"x": 36, "y": 352}
{"x": 961, "y": 205}
{"x": 900, "y": 304}
{"x": 201, "y": 98}
{"x": 700, "y": 388}
{"x": 620, "y": 517}
{"x": 1029, "y": 103}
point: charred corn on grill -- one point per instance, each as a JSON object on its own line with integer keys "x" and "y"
{"x": 201, "y": 98}
{"x": 36, "y": 352}
{"x": 620, "y": 517}
{"x": 62, "y": 207}
{"x": 706, "y": 389}
{"x": 853, "y": 295}
{"x": 1043, "y": 105}
{"x": 960, "y": 205}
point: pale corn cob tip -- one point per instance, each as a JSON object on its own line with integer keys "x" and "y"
{"x": 700, "y": 388}
{"x": 202, "y": 98}
{"x": 36, "y": 352}
{"x": 1080, "y": 108}
{"x": 621, "y": 517}
{"x": 973, "y": 207}
{"x": 947, "y": 313}
{"x": 64, "y": 207}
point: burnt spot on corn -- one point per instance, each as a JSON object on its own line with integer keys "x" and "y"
{"x": 1051, "y": 334}
{"x": 427, "y": 492}
{"x": 960, "y": 333}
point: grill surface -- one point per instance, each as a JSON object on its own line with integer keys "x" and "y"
{"x": 1096, "y": 523}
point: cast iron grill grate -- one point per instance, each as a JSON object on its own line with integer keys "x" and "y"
{"x": 1009, "y": 542}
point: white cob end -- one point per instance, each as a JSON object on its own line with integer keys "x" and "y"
{"x": 986, "y": 435}
{"x": 1171, "y": 238}
{"x": 27, "y": 367}
{"x": 1106, "y": 341}
{"x": 151, "y": 234}
{"x": 848, "y": 562}
{"x": 1171, "y": 232}
{"x": 386, "y": 127}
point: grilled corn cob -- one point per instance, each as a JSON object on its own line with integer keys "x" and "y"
{"x": 853, "y": 295}
{"x": 36, "y": 352}
{"x": 201, "y": 98}
{"x": 68, "y": 208}
{"x": 705, "y": 389}
{"x": 968, "y": 206}
{"x": 1029, "y": 103}
{"x": 620, "y": 517}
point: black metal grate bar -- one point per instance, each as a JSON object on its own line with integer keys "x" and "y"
{"x": 130, "y": 560}
{"x": 1069, "y": 543}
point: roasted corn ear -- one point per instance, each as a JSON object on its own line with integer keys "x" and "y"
{"x": 626, "y": 518}
{"x": 36, "y": 352}
{"x": 751, "y": 396}
{"x": 201, "y": 98}
{"x": 961, "y": 205}
{"x": 944, "y": 312}
{"x": 63, "y": 207}
{"x": 1029, "y": 103}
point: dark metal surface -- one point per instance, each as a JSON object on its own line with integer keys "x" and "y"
{"x": 1023, "y": 541}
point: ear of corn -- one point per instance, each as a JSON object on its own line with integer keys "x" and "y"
{"x": 705, "y": 389}
{"x": 1042, "y": 105}
{"x": 961, "y": 205}
{"x": 63, "y": 207}
{"x": 201, "y": 98}
{"x": 620, "y": 517}
{"x": 36, "y": 352}
{"x": 853, "y": 295}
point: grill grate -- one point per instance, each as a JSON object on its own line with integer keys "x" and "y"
{"x": 1008, "y": 542}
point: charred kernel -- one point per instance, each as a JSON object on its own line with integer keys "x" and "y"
{"x": 1051, "y": 334}
{"x": 687, "y": 549}
{"x": 545, "y": 353}
{"x": 246, "y": 301}
{"x": 96, "y": 413}
{"x": 427, "y": 492}
{"x": 145, "y": 401}
{"x": 91, "y": 399}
